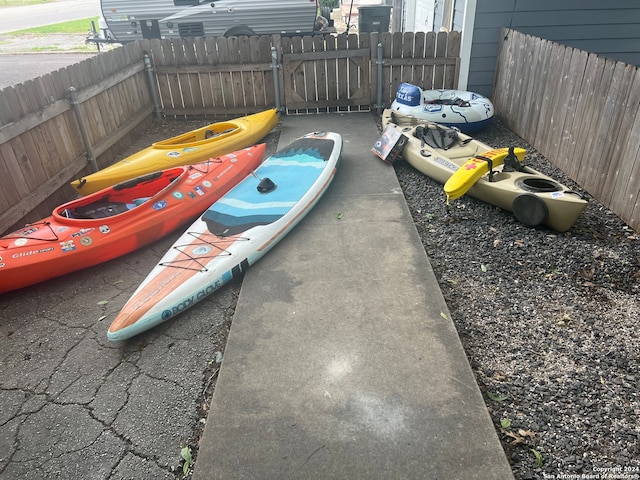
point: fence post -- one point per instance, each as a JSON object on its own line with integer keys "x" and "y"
{"x": 73, "y": 100}
{"x": 157, "y": 109}
{"x": 379, "y": 63}
{"x": 276, "y": 77}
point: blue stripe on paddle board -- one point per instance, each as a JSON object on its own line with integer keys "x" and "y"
{"x": 293, "y": 170}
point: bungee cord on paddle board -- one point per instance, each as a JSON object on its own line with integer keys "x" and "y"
{"x": 202, "y": 255}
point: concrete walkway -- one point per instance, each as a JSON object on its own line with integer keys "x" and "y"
{"x": 342, "y": 362}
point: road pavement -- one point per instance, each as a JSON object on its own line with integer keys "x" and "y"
{"x": 57, "y": 11}
{"x": 19, "y": 68}
{"x": 18, "y": 62}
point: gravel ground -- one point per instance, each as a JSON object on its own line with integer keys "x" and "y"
{"x": 549, "y": 322}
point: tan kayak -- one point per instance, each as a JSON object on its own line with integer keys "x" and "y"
{"x": 533, "y": 197}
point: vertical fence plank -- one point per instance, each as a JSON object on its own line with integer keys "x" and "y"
{"x": 602, "y": 76}
{"x": 407, "y": 52}
{"x": 255, "y": 78}
{"x": 610, "y": 132}
{"x": 332, "y": 78}
{"x": 369, "y": 43}
{"x": 429, "y": 69}
{"x": 632, "y": 194}
{"x": 396, "y": 70}
{"x": 549, "y": 101}
{"x": 341, "y": 69}
{"x": 308, "y": 71}
{"x": 194, "y": 77}
{"x": 543, "y": 76}
{"x": 320, "y": 73}
{"x": 265, "y": 57}
{"x": 441, "y": 52}
{"x": 216, "y": 78}
{"x": 357, "y": 78}
{"x": 385, "y": 40}
{"x": 626, "y": 147}
{"x": 567, "y": 142}
{"x": 511, "y": 74}
{"x": 417, "y": 71}
{"x": 451, "y": 71}
{"x": 584, "y": 111}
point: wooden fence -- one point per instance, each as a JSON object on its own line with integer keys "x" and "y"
{"x": 207, "y": 76}
{"x": 67, "y": 123}
{"x": 580, "y": 110}
{"x": 46, "y": 140}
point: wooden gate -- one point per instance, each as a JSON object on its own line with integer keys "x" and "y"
{"x": 326, "y": 75}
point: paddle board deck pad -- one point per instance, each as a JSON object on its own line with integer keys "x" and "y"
{"x": 233, "y": 233}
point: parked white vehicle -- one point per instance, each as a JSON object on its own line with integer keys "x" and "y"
{"x": 127, "y": 20}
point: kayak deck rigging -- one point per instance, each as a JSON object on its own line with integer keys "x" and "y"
{"x": 26, "y": 230}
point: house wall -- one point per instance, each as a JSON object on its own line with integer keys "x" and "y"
{"x": 610, "y": 29}
{"x": 457, "y": 11}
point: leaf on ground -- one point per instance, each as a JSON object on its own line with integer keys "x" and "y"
{"x": 102, "y": 318}
{"x": 339, "y": 215}
{"x": 516, "y": 438}
{"x": 444, "y": 315}
{"x": 496, "y": 397}
{"x": 538, "y": 457}
{"x": 526, "y": 433}
{"x": 218, "y": 357}
{"x": 483, "y": 268}
{"x": 102, "y": 302}
{"x": 505, "y": 423}
{"x": 185, "y": 453}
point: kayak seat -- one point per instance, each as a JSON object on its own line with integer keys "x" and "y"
{"x": 100, "y": 210}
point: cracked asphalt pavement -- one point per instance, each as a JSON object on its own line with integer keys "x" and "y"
{"x": 75, "y": 406}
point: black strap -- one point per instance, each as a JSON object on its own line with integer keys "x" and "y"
{"x": 490, "y": 162}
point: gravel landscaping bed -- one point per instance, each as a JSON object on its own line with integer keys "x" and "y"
{"x": 549, "y": 322}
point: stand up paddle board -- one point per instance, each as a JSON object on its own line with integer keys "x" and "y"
{"x": 234, "y": 232}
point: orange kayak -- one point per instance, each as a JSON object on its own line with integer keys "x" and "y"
{"x": 119, "y": 219}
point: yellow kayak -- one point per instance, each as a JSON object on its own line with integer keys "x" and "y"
{"x": 192, "y": 147}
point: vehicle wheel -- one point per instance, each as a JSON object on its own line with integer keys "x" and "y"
{"x": 529, "y": 209}
{"x": 239, "y": 31}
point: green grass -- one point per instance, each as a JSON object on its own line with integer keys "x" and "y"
{"x": 74, "y": 26}
{"x": 17, "y": 3}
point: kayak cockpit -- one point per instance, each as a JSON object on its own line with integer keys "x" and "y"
{"x": 120, "y": 198}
